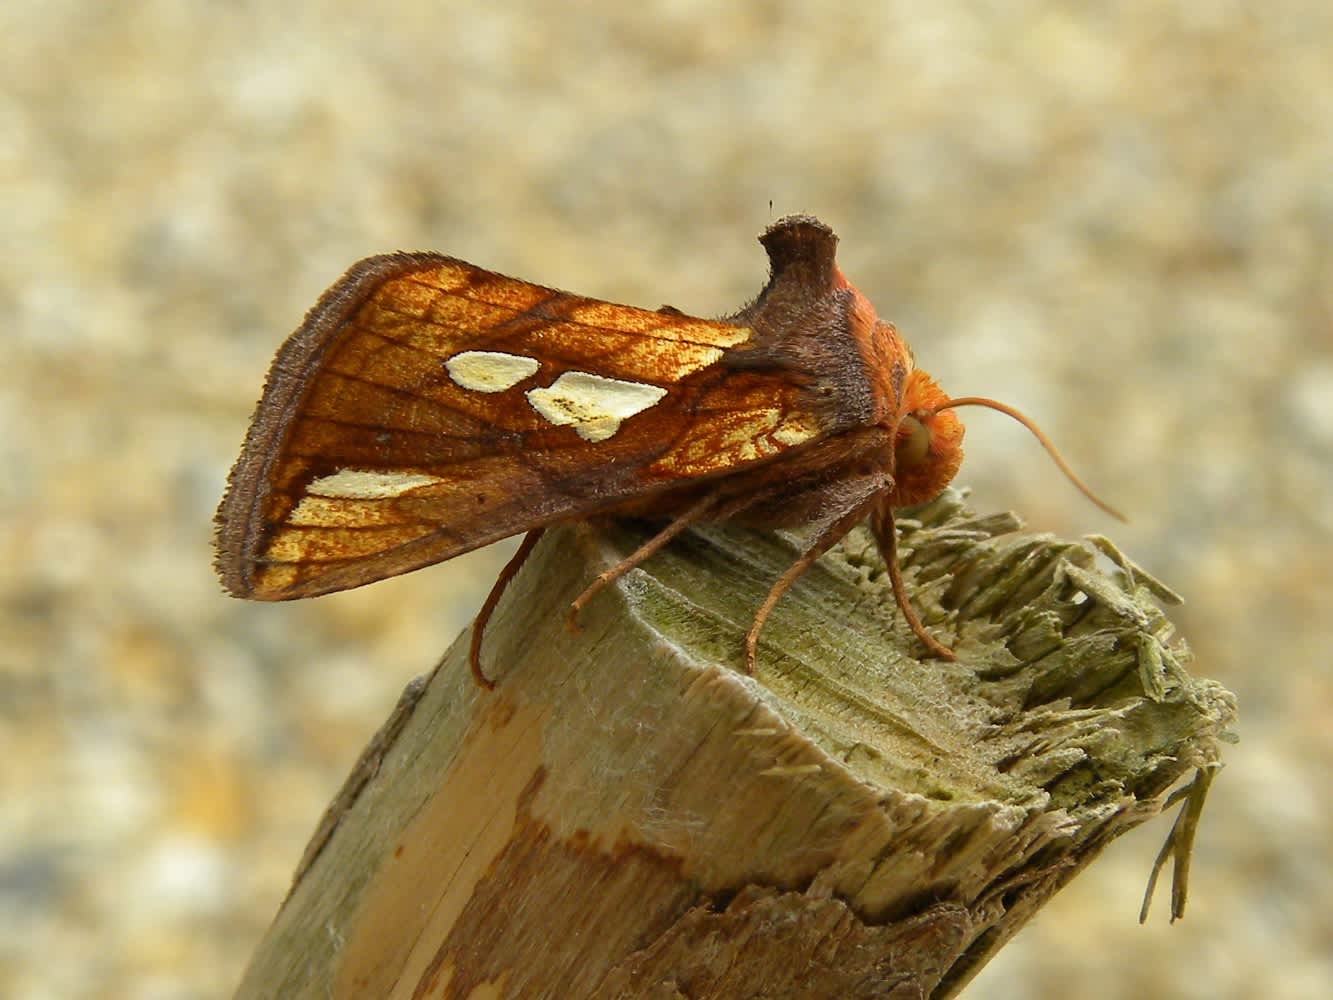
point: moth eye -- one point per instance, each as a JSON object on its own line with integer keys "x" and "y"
{"x": 912, "y": 444}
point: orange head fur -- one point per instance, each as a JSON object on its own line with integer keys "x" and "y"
{"x": 928, "y": 442}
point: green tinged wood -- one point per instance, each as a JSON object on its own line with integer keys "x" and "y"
{"x": 627, "y": 815}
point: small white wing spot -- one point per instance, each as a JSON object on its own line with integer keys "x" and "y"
{"x": 593, "y": 404}
{"x": 358, "y": 484}
{"x": 490, "y": 371}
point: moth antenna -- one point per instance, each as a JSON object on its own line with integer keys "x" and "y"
{"x": 1046, "y": 443}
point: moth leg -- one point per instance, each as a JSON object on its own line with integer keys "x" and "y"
{"x": 886, "y": 536}
{"x": 826, "y": 539}
{"x": 492, "y": 599}
{"x": 708, "y": 506}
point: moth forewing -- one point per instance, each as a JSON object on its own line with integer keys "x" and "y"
{"x": 427, "y": 407}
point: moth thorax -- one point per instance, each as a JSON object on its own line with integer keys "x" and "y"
{"x": 928, "y": 446}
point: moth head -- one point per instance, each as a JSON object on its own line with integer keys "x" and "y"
{"x": 927, "y": 443}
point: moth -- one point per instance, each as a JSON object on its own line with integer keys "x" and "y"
{"x": 427, "y": 407}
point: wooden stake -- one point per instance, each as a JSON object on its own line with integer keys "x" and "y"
{"x": 628, "y": 815}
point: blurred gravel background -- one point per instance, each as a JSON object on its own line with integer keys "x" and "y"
{"x": 1115, "y": 216}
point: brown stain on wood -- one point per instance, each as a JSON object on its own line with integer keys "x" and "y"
{"x": 393, "y": 937}
{"x": 768, "y": 943}
{"x": 615, "y": 900}
{"x": 474, "y": 937}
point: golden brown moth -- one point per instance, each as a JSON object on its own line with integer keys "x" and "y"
{"x": 427, "y": 407}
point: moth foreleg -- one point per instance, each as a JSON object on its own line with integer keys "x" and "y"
{"x": 492, "y": 599}
{"x": 886, "y": 537}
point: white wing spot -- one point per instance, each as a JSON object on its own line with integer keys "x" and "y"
{"x": 358, "y": 484}
{"x": 490, "y": 371}
{"x": 593, "y": 404}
